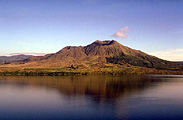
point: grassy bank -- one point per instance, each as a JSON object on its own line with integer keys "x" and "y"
{"x": 41, "y": 73}
{"x": 101, "y": 71}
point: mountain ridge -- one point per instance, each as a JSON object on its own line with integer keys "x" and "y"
{"x": 99, "y": 55}
{"x": 99, "y": 49}
{"x": 9, "y": 59}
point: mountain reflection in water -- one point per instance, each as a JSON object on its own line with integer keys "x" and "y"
{"x": 95, "y": 86}
{"x": 89, "y": 97}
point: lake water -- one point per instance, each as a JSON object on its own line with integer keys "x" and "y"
{"x": 146, "y": 97}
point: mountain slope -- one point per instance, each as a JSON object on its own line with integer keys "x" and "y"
{"x": 100, "y": 52}
{"x": 5, "y": 59}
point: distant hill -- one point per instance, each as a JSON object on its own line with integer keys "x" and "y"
{"x": 9, "y": 59}
{"x": 103, "y": 52}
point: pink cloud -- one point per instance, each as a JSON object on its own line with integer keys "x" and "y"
{"x": 121, "y": 33}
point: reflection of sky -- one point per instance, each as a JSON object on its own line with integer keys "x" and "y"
{"x": 161, "y": 101}
{"x": 46, "y": 26}
{"x": 41, "y": 98}
{"x": 28, "y": 103}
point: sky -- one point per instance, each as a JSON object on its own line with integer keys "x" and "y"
{"x": 46, "y": 26}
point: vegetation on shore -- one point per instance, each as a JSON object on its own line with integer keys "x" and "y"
{"x": 116, "y": 70}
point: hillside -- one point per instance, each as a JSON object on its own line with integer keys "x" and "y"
{"x": 6, "y": 59}
{"x": 108, "y": 56}
{"x": 104, "y": 52}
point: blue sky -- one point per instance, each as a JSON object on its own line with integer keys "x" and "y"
{"x": 46, "y": 26}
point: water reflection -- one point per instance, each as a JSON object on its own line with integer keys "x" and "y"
{"x": 95, "y": 86}
{"x": 91, "y": 97}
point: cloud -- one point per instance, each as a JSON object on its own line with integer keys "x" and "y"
{"x": 27, "y": 53}
{"x": 121, "y": 33}
{"x": 171, "y": 55}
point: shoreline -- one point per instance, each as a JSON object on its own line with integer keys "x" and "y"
{"x": 160, "y": 72}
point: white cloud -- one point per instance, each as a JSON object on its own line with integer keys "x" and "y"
{"x": 27, "y": 53}
{"x": 172, "y": 55}
{"x": 121, "y": 33}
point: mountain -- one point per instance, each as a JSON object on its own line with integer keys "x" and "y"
{"x": 99, "y": 57}
{"x": 6, "y": 60}
{"x": 100, "y": 52}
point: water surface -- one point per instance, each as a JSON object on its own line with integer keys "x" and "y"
{"x": 146, "y": 97}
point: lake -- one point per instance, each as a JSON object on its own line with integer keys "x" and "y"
{"x": 143, "y": 97}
